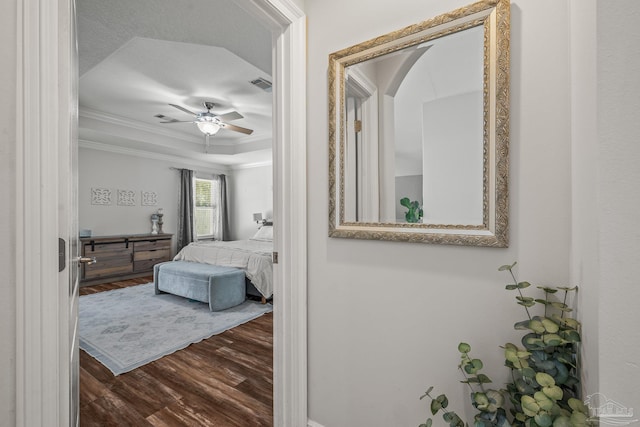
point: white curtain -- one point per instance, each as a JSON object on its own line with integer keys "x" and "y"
{"x": 221, "y": 214}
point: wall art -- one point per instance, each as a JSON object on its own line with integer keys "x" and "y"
{"x": 126, "y": 198}
{"x": 149, "y": 198}
{"x": 100, "y": 196}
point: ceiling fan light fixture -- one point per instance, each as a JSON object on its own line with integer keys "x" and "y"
{"x": 208, "y": 127}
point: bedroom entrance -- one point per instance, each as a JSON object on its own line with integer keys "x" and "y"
{"x": 47, "y": 383}
{"x": 191, "y": 109}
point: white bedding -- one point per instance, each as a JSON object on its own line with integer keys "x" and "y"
{"x": 253, "y": 256}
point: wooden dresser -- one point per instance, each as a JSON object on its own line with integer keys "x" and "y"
{"x": 123, "y": 256}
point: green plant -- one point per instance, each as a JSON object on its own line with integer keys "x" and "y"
{"x": 543, "y": 388}
{"x": 415, "y": 212}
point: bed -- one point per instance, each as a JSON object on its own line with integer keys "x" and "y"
{"x": 253, "y": 255}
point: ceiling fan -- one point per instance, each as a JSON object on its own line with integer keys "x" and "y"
{"x": 208, "y": 122}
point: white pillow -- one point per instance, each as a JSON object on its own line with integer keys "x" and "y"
{"x": 264, "y": 234}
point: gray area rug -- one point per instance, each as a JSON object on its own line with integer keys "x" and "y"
{"x": 130, "y": 327}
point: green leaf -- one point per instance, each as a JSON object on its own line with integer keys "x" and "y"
{"x": 570, "y": 336}
{"x": 564, "y": 288}
{"x": 483, "y": 379}
{"x": 577, "y": 405}
{"x": 477, "y": 364}
{"x": 527, "y": 304}
{"x": 578, "y": 419}
{"x": 511, "y": 287}
{"x": 562, "y": 422}
{"x": 550, "y": 326}
{"x": 524, "y": 324}
{"x": 543, "y": 420}
{"x": 536, "y": 326}
{"x": 529, "y": 406}
{"x": 496, "y": 400}
{"x": 543, "y": 401}
{"x": 553, "y": 392}
{"x": 444, "y": 402}
{"x": 426, "y": 393}
{"x": 548, "y": 290}
{"x": 524, "y": 299}
{"x": 543, "y": 301}
{"x": 507, "y": 267}
{"x": 523, "y": 285}
{"x": 552, "y": 340}
{"x": 481, "y": 401}
{"x": 463, "y": 347}
{"x": 427, "y": 423}
{"x": 545, "y": 380}
{"x": 528, "y": 372}
{"x": 435, "y": 406}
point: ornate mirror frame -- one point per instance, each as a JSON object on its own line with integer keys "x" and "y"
{"x": 494, "y": 16}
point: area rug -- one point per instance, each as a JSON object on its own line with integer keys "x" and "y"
{"x": 130, "y": 327}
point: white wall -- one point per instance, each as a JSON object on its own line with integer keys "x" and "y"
{"x": 8, "y": 43}
{"x": 250, "y": 191}
{"x": 101, "y": 169}
{"x": 385, "y": 318}
{"x": 584, "y": 148}
{"x": 618, "y": 199}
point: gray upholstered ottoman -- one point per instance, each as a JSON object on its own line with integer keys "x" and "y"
{"x": 221, "y": 287}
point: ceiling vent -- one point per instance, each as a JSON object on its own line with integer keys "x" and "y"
{"x": 263, "y": 84}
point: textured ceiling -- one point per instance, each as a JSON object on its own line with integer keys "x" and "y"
{"x": 137, "y": 56}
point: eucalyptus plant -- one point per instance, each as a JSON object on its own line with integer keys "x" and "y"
{"x": 414, "y": 212}
{"x": 543, "y": 388}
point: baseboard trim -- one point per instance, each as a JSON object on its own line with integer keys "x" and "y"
{"x": 311, "y": 423}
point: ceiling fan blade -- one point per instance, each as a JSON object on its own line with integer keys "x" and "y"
{"x": 236, "y": 128}
{"x": 179, "y": 121}
{"x": 233, "y": 115}
{"x": 183, "y": 109}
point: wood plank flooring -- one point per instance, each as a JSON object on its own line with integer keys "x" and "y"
{"x": 226, "y": 380}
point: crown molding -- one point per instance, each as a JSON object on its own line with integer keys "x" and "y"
{"x": 210, "y": 166}
{"x": 133, "y": 124}
{"x": 120, "y": 121}
{"x": 252, "y": 165}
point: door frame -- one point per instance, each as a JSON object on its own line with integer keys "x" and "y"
{"x": 45, "y": 111}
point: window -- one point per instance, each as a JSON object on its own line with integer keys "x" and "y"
{"x": 205, "y": 209}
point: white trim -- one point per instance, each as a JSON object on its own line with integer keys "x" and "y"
{"x": 212, "y": 167}
{"x": 42, "y": 385}
{"x": 252, "y": 165}
{"x": 311, "y": 423}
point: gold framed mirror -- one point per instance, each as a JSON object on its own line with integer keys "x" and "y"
{"x": 419, "y": 131}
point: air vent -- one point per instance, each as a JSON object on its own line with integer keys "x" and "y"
{"x": 263, "y": 84}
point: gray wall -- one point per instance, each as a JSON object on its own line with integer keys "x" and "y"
{"x": 385, "y": 318}
{"x": 8, "y": 43}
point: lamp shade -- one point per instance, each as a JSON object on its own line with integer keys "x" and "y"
{"x": 257, "y": 217}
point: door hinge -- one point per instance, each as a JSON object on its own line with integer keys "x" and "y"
{"x": 62, "y": 254}
{"x": 275, "y": 257}
{"x": 357, "y": 126}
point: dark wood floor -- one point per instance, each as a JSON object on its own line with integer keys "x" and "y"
{"x": 226, "y": 380}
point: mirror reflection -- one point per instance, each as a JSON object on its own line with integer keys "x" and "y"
{"x": 419, "y": 131}
{"x": 427, "y": 102}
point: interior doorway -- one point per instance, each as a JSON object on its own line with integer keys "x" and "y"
{"x": 42, "y": 376}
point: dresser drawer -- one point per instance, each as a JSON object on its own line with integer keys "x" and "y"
{"x": 109, "y": 248}
{"x": 106, "y": 266}
{"x": 152, "y": 244}
{"x": 151, "y": 254}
